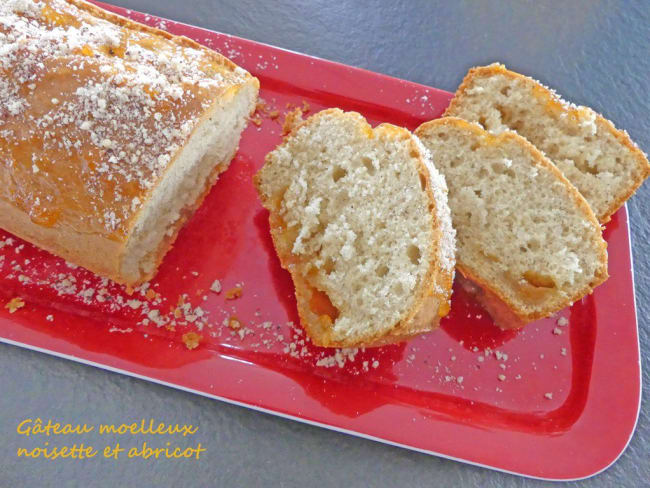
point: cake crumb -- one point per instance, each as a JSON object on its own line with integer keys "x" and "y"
{"x": 234, "y": 293}
{"x": 216, "y": 286}
{"x": 502, "y": 377}
{"x": 234, "y": 323}
{"x": 501, "y": 355}
{"x": 548, "y": 396}
{"x": 192, "y": 340}
{"x": 291, "y": 120}
{"x": 557, "y": 331}
{"x": 15, "y": 304}
{"x": 562, "y": 321}
{"x": 50, "y": 318}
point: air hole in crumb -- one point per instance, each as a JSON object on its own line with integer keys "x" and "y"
{"x": 398, "y": 289}
{"x": 553, "y": 149}
{"x": 320, "y": 228}
{"x": 618, "y": 160}
{"x": 414, "y": 154}
{"x": 338, "y": 173}
{"x": 505, "y": 91}
{"x": 382, "y": 271}
{"x": 572, "y": 131}
{"x": 498, "y": 168}
{"x": 482, "y": 173}
{"x": 505, "y": 116}
{"x": 455, "y": 162}
{"x": 443, "y": 136}
{"x": 482, "y": 121}
{"x": 367, "y": 162}
{"x": 533, "y": 245}
{"x": 517, "y": 125}
{"x": 478, "y": 193}
{"x": 584, "y": 165}
{"x": 475, "y": 146}
{"x": 413, "y": 254}
{"x": 328, "y": 267}
{"x": 588, "y": 139}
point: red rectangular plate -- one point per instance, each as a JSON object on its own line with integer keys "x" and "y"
{"x": 553, "y": 401}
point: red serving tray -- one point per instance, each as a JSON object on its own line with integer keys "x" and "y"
{"x": 432, "y": 394}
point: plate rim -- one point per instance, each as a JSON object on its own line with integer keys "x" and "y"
{"x": 133, "y": 374}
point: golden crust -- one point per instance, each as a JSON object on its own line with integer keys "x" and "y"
{"x": 136, "y": 26}
{"x": 490, "y": 289}
{"x": 423, "y": 316}
{"x": 550, "y": 99}
{"x": 99, "y": 254}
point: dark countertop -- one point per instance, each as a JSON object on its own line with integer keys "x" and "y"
{"x": 594, "y": 52}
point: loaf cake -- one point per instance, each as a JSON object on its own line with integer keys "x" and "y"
{"x": 528, "y": 244}
{"x": 359, "y": 218}
{"x": 601, "y": 161}
{"x": 111, "y": 133}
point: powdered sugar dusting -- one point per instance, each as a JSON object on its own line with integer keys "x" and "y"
{"x": 109, "y": 103}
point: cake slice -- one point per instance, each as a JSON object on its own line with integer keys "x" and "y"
{"x": 525, "y": 235}
{"x": 601, "y": 161}
{"x": 111, "y": 133}
{"x": 359, "y": 217}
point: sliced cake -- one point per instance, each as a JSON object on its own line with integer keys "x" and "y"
{"x": 359, "y": 217}
{"x": 525, "y": 235}
{"x": 601, "y": 161}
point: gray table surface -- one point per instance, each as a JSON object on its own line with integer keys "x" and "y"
{"x": 595, "y": 52}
